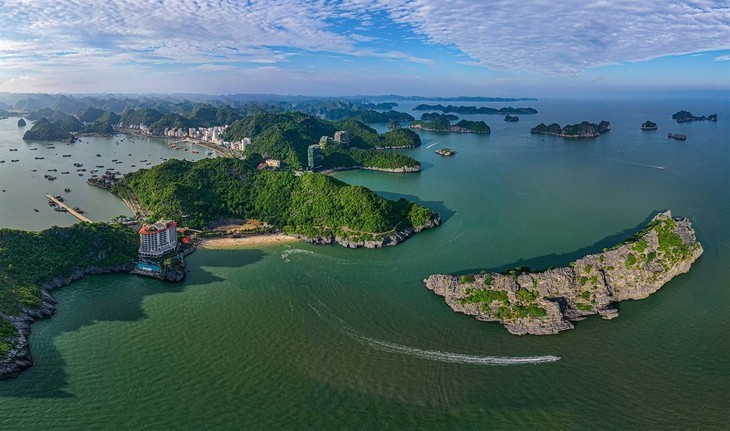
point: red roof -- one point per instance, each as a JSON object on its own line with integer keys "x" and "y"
{"x": 153, "y": 228}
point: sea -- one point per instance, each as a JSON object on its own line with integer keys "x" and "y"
{"x": 300, "y": 336}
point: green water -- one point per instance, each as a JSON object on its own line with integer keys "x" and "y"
{"x": 302, "y": 336}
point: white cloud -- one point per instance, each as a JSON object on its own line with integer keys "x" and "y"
{"x": 51, "y": 39}
{"x": 562, "y": 37}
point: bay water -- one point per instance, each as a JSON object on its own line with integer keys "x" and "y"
{"x": 300, "y": 336}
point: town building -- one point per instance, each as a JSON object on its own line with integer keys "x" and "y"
{"x": 157, "y": 239}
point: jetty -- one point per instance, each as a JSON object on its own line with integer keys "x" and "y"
{"x": 69, "y": 209}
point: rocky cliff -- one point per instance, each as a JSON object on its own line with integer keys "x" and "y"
{"x": 551, "y": 301}
{"x": 686, "y": 117}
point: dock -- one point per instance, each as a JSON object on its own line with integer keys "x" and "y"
{"x": 70, "y": 210}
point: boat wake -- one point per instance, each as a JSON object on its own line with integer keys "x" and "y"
{"x": 435, "y": 143}
{"x": 436, "y": 355}
{"x": 285, "y": 255}
{"x": 457, "y": 358}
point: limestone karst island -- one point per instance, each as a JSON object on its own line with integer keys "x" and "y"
{"x": 550, "y": 301}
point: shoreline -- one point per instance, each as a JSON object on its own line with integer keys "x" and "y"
{"x": 248, "y": 241}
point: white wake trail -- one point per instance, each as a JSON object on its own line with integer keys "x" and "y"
{"x": 457, "y": 358}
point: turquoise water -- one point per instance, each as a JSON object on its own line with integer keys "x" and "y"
{"x": 302, "y": 336}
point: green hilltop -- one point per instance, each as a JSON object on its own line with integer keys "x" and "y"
{"x": 312, "y": 205}
{"x": 286, "y": 136}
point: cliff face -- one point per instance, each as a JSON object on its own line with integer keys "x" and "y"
{"x": 548, "y": 302}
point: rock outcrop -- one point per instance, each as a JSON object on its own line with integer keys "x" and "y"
{"x": 649, "y": 125}
{"x": 511, "y": 119}
{"x": 548, "y": 302}
{"x": 21, "y": 123}
{"x": 373, "y": 240}
{"x": 581, "y": 130}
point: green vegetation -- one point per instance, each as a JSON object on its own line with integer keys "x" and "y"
{"x": 639, "y": 246}
{"x": 286, "y": 136}
{"x": 60, "y": 130}
{"x": 29, "y": 259}
{"x": 465, "y": 279}
{"x": 170, "y": 121}
{"x": 630, "y": 260}
{"x": 525, "y": 295}
{"x": 485, "y": 297}
{"x": 473, "y": 126}
{"x": 335, "y": 157}
{"x": 311, "y": 204}
{"x": 584, "y": 307}
{"x": 135, "y": 117}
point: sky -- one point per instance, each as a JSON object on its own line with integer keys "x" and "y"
{"x": 507, "y": 48}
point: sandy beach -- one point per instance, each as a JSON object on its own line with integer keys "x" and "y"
{"x": 225, "y": 243}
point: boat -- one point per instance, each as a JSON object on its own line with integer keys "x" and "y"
{"x": 99, "y": 166}
{"x": 78, "y": 165}
{"x": 67, "y": 190}
{"x": 34, "y": 170}
{"x": 15, "y": 160}
{"x": 53, "y": 170}
{"x": 81, "y": 175}
{"x": 51, "y": 147}
{"x": 2, "y": 161}
{"x": 35, "y": 209}
{"x": 33, "y": 149}
{"x": 64, "y": 173}
{"x": 78, "y": 210}
{"x": 39, "y": 158}
{"x": 67, "y": 155}
{"x": 195, "y": 151}
{"x": 98, "y": 155}
{"x": 134, "y": 166}
{"x": 13, "y": 149}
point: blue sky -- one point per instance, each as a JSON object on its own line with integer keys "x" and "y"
{"x": 347, "y": 47}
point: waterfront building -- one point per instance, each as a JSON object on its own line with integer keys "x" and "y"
{"x": 157, "y": 239}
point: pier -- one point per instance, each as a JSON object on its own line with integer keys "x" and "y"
{"x": 69, "y": 209}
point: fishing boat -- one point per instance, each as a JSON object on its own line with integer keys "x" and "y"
{"x": 67, "y": 190}
{"x": 35, "y": 209}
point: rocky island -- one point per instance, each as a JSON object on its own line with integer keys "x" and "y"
{"x": 511, "y": 119}
{"x": 446, "y": 152}
{"x": 572, "y": 131}
{"x": 474, "y": 109}
{"x": 21, "y": 123}
{"x": 686, "y": 117}
{"x": 648, "y": 125}
{"x": 443, "y": 124}
{"x": 547, "y": 302}
{"x": 677, "y": 136}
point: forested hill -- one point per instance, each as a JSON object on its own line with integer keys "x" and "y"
{"x": 286, "y": 136}
{"x": 312, "y": 205}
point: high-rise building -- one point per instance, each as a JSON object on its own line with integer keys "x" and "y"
{"x": 314, "y": 157}
{"x": 157, "y": 239}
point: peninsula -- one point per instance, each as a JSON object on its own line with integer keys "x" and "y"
{"x": 572, "y": 131}
{"x": 547, "y": 302}
{"x": 314, "y": 207}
